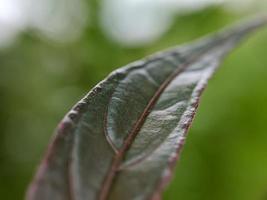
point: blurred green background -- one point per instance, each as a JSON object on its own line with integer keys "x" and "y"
{"x": 53, "y": 53}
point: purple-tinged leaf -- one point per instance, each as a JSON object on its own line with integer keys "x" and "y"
{"x": 122, "y": 140}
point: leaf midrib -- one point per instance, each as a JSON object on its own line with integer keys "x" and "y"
{"x": 111, "y": 174}
{"x": 118, "y": 157}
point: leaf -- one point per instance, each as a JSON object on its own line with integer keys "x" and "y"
{"x": 122, "y": 139}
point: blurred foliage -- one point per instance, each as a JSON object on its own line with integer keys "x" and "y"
{"x": 226, "y": 153}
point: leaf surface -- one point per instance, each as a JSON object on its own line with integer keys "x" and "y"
{"x": 123, "y": 138}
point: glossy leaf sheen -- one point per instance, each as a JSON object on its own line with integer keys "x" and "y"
{"x": 121, "y": 141}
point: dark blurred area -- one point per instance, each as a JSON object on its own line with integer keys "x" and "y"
{"x": 53, "y": 52}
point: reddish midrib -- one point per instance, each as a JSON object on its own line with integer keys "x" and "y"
{"x": 103, "y": 194}
{"x": 117, "y": 160}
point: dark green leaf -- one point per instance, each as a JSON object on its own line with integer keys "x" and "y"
{"x": 122, "y": 140}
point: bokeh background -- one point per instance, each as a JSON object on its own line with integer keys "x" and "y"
{"x": 53, "y": 52}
